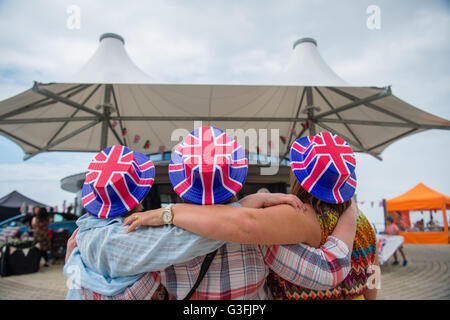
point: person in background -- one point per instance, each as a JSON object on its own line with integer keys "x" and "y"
{"x": 40, "y": 225}
{"x": 392, "y": 229}
{"x": 29, "y": 217}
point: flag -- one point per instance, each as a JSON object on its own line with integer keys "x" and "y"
{"x": 124, "y": 131}
{"x": 114, "y": 124}
{"x": 161, "y": 149}
{"x": 136, "y": 138}
{"x": 283, "y": 139}
{"x": 147, "y": 144}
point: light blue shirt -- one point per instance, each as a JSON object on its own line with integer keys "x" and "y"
{"x": 107, "y": 260}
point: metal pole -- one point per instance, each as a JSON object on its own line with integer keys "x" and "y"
{"x": 385, "y": 212}
{"x": 107, "y": 114}
{"x": 310, "y": 111}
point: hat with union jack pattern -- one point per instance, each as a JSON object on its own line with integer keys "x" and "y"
{"x": 324, "y": 165}
{"x": 117, "y": 180}
{"x": 208, "y": 167}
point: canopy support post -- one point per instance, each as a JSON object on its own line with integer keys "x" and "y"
{"x": 106, "y": 115}
{"x": 291, "y": 134}
{"x": 385, "y": 212}
{"x": 310, "y": 111}
{"x": 444, "y": 213}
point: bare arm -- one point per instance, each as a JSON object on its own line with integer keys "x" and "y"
{"x": 281, "y": 224}
{"x": 345, "y": 229}
{"x": 264, "y": 200}
{"x": 34, "y": 223}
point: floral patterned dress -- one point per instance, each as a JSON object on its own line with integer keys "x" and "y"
{"x": 41, "y": 234}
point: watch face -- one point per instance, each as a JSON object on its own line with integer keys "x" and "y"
{"x": 167, "y": 216}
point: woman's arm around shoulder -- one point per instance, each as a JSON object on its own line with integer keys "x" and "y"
{"x": 280, "y": 224}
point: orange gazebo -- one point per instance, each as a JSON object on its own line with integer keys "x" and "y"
{"x": 420, "y": 197}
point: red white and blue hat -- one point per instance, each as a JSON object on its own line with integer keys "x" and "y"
{"x": 208, "y": 167}
{"x": 117, "y": 180}
{"x": 324, "y": 165}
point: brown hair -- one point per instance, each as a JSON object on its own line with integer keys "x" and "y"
{"x": 318, "y": 205}
{"x": 138, "y": 208}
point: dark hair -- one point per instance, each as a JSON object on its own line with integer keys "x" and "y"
{"x": 319, "y": 206}
{"x": 43, "y": 215}
{"x": 390, "y": 219}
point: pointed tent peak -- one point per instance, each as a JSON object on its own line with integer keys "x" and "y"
{"x": 113, "y": 36}
{"x": 303, "y": 40}
{"x": 110, "y": 64}
{"x": 419, "y": 197}
{"x": 306, "y": 67}
{"x": 423, "y": 189}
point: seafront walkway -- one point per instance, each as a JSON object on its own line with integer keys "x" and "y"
{"x": 427, "y": 276}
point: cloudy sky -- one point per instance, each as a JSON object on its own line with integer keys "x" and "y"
{"x": 204, "y": 41}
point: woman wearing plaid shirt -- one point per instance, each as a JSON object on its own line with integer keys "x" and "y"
{"x": 112, "y": 264}
{"x": 125, "y": 260}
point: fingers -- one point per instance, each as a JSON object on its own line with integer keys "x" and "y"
{"x": 126, "y": 221}
{"x": 130, "y": 219}
{"x": 295, "y": 201}
{"x": 133, "y": 226}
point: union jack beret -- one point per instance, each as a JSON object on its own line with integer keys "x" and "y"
{"x": 324, "y": 165}
{"x": 117, "y": 180}
{"x": 208, "y": 167}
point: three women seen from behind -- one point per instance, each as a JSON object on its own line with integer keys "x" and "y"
{"x": 323, "y": 178}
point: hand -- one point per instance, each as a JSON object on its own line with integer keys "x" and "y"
{"x": 147, "y": 218}
{"x": 273, "y": 199}
{"x": 71, "y": 244}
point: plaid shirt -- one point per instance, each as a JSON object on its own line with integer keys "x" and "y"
{"x": 239, "y": 271}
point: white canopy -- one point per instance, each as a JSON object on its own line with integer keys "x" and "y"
{"x": 111, "y": 101}
{"x": 110, "y": 64}
{"x": 307, "y": 67}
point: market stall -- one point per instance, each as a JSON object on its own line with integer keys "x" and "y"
{"x": 420, "y": 198}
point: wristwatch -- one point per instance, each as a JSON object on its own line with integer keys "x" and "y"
{"x": 167, "y": 215}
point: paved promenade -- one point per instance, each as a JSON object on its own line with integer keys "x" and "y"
{"x": 427, "y": 276}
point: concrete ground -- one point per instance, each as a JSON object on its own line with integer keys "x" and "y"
{"x": 427, "y": 276}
